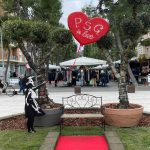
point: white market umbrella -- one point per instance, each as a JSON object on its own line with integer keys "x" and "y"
{"x": 134, "y": 58}
{"x": 101, "y": 67}
{"x": 50, "y": 66}
{"x": 117, "y": 62}
{"x": 53, "y": 66}
{"x": 86, "y": 61}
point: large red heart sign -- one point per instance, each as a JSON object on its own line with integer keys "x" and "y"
{"x": 87, "y": 30}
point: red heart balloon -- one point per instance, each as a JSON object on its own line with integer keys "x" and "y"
{"x": 87, "y": 30}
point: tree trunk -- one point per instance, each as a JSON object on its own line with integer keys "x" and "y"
{"x": 122, "y": 80}
{"x": 39, "y": 68}
{"x": 123, "y": 94}
{"x": 47, "y": 68}
{"x": 1, "y": 9}
{"x": 122, "y": 84}
{"x": 7, "y": 64}
{"x": 132, "y": 76}
{"x": 42, "y": 95}
{"x": 43, "y": 99}
{"x": 110, "y": 62}
{"x": 27, "y": 56}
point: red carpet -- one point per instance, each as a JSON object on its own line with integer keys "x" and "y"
{"x": 82, "y": 143}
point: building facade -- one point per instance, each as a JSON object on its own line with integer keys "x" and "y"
{"x": 16, "y": 65}
{"x": 144, "y": 51}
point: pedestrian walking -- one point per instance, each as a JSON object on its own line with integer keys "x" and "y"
{"x": 1, "y": 87}
{"x": 14, "y": 74}
{"x": 56, "y": 78}
{"x": 103, "y": 78}
{"x": 82, "y": 77}
{"x": 74, "y": 78}
{"x": 94, "y": 78}
{"x": 22, "y": 84}
{"x": 50, "y": 77}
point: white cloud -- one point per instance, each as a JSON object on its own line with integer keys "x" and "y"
{"x": 69, "y": 6}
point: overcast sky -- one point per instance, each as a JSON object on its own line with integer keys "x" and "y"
{"x": 69, "y": 6}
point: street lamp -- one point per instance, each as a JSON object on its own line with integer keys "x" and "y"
{"x": 2, "y": 51}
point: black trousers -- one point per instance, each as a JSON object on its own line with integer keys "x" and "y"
{"x": 30, "y": 122}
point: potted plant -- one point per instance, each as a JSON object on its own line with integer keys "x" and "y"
{"x": 42, "y": 39}
{"x": 128, "y": 20}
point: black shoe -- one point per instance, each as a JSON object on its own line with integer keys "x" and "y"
{"x": 33, "y": 131}
{"x": 29, "y": 131}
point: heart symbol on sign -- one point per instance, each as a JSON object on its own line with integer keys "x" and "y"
{"x": 87, "y": 30}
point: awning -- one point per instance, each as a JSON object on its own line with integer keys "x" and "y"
{"x": 86, "y": 61}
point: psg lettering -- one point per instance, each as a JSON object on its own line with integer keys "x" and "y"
{"x": 88, "y": 28}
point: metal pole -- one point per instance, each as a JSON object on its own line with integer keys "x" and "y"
{"x": 2, "y": 50}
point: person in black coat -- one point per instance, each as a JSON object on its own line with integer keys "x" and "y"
{"x": 94, "y": 78}
{"x": 103, "y": 78}
{"x": 74, "y": 76}
{"x": 1, "y": 86}
{"x": 32, "y": 108}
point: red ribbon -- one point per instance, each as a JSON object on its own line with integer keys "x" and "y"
{"x": 73, "y": 65}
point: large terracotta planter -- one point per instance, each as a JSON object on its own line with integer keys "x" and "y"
{"x": 122, "y": 117}
{"x": 51, "y": 117}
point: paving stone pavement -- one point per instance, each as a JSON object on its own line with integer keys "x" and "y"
{"x": 113, "y": 141}
{"x": 14, "y": 105}
{"x": 50, "y": 141}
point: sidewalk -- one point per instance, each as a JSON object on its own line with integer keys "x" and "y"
{"x": 14, "y": 105}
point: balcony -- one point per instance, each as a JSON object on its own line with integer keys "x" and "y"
{"x": 13, "y": 58}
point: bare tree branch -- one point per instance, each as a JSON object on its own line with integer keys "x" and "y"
{"x": 27, "y": 55}
{"x": 47, "y": 56}
{"x": 110, "y": 63}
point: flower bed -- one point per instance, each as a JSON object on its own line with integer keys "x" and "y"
{"x": 19, "y": 122}
{"x": 13, "y": 122}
